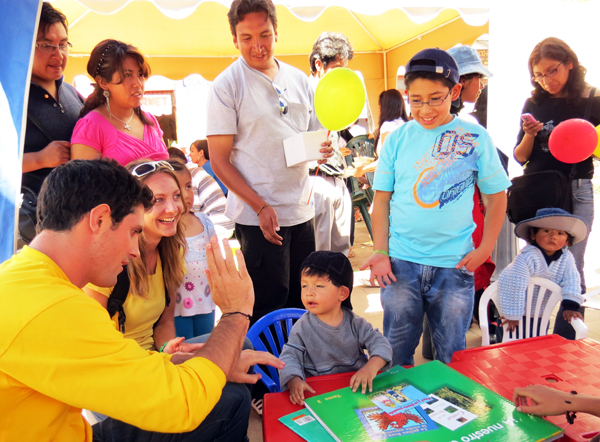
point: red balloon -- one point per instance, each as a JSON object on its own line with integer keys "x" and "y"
{"x": 573, "y": 141}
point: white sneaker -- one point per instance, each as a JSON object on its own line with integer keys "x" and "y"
{"x": 257, "y": 404}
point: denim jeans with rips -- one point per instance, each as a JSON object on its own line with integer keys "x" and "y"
{"x": 583, "y": 206}
{"x": 445, "y": 294}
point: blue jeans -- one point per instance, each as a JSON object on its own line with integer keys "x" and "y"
{"x": 583, "y": 206}
{"x": 218, "y": 425}
{"x": 191, "y": 326}
{"x": 227, "y": 422}
{"x": 445, "y": 294}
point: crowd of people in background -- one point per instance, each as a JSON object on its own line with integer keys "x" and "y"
{"x": 133, "y": 224}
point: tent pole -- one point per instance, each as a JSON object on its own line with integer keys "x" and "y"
{"x": 385, "y": 73}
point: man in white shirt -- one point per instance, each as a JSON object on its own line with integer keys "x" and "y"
{"x": 254, "y": 105}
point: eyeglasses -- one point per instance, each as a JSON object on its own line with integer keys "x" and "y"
{"x": 433, "y": 103}
{"x": 49, "y": 49}
{"x": 551, "y": 73}
{"x": 283, "y": 106}
{"x": 141, "y": 170}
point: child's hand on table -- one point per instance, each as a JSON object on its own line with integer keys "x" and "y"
{"x": 365, "y": 375}
{"x": 297, "y": 388}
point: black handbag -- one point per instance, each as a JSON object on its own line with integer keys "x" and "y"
{"x": 27, "y": 215}
{"x": 540, "y": 190}
{"x": 27, "y": 211}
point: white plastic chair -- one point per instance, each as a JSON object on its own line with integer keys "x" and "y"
{"x": 546, "y": 286}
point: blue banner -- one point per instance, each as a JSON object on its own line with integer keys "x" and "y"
{"x": 17, "y": 31}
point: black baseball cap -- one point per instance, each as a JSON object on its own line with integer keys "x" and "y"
{"x": 434, "y": 60}
{"x": 336, "y": 265}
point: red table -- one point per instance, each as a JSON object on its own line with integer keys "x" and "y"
{"x": 547, "y": 360}
{"x": 276, "y": 405}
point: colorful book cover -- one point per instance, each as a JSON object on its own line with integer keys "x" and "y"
{"x": 381, "y": 425}
{"x": 455, "y": 409}
{"x": 304, "y": 424}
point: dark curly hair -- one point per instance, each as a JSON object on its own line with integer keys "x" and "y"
{"x": 328, "y": 47}
{"x": 75, "y": 188}
{"x": 106, "y": 59}
{"x": 556, "y": 49}
{"x": 240, "y": 8}
{"x": 50, "y": 16}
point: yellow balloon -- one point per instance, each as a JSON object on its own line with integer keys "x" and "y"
{"x": 597, "y": 150}
{"x": 339, "y": 99}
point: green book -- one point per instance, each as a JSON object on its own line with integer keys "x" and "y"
{"x": 430, "y": 402}
{"x": 304, "y": 424}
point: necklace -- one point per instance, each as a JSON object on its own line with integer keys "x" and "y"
{"x": 126, "y": 123}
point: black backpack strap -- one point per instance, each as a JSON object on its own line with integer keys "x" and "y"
{"x": 117, "y": 298}
{"x": 37, "y": 123}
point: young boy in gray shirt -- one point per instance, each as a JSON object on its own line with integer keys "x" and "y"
{"x": 330, "y": 338}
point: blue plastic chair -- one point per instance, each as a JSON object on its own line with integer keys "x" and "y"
{"x": 262, "y": 338}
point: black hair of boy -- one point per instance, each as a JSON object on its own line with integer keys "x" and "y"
{"x": 319, "y": 273}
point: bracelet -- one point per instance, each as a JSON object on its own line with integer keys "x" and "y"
{"x": 237, "y": 313}
{"x": 163, "y": 347}
{"x": 383, "y": 252}
{"x": 571, "y": 415}
{"x": 261, "y": 209}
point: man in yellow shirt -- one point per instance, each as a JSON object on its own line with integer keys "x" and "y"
{"x": 60, "y": 352}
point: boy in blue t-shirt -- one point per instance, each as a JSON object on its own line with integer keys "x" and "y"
{"x": 423, "y": 254}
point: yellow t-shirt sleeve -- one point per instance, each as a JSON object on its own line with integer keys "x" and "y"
{"x": 95, "y": 367}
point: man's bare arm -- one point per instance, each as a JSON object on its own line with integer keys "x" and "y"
{"x": 233, "y": 292}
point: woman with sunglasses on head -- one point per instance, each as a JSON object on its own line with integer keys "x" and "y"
{"x": 149, "y": 311}
{"x": 560, "y": 93}
{"x": 112, "y": 122}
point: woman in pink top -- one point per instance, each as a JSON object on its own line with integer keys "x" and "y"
{"x": 112, "y": 122}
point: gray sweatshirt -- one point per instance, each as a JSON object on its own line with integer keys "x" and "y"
{"x": 315, "y": 348}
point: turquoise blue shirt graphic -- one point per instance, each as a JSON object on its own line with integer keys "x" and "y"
{"x": 432, "y": 173}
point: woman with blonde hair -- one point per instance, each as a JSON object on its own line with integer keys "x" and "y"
{"x": 112, "y": 122}
{"x": 159, "y": 271}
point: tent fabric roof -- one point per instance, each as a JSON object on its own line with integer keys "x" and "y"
{"x": 199, "y": 29}
{"x": 473, "y": 12}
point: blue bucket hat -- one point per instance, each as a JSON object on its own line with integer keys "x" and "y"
{"x": 434, "y": 60}
{"x": 557, "y": 219}
{"x": 468, "y": 61}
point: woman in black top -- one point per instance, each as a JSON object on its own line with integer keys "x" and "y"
{"x": 560, "y": 93}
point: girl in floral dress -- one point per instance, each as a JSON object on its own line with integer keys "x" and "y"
{"x": 194, "y": 308}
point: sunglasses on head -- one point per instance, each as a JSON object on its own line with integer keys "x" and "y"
{"x": 144, "y": 169}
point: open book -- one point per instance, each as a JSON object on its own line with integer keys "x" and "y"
{"x": 430, "y": 402}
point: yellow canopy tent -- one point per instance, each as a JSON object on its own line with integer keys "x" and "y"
{"x": 181, "y": 37}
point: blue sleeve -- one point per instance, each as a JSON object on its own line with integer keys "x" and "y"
{"x": 385, "y": 174}
{"x": 512, "y": 288}
{"x": 491, "y": 176}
